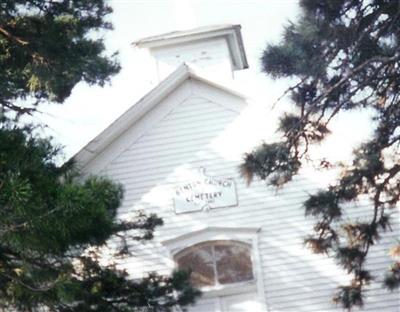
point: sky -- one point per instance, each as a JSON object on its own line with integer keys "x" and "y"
{"x": 90, "y": 109}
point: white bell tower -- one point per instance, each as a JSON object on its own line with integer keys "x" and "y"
{"x": 215, "y": 49}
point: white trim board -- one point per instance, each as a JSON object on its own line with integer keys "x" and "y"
{"x": 230, "y": 33}
{"x": 247, "y": 235}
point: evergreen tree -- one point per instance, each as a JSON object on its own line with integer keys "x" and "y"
{"x": 345, "y": 55}
{"x": 52, "y": 224}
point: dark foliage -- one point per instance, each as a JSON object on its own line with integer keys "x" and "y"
{"x": 53, "y": 224}
{"x": 52, "y": 229}
{"x": 47, "y": 47}
{"x": 345, "y": 55}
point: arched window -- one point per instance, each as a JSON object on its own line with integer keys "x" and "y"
{"x": 225, "y": 264}
{"x": 215, "y": 263}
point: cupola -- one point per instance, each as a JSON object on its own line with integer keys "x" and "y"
{"x": 216, "y": 49}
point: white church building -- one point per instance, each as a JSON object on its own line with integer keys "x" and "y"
{"x": 177, "y": 152}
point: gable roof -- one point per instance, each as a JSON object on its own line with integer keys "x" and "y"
{"x": 144, "y": 105}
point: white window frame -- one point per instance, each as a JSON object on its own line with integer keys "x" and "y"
{"x": 246, "y": 235}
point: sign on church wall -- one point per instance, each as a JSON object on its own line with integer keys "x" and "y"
{"x": 204, "y": 193}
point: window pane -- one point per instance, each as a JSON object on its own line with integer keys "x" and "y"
{"x": 200, "y": 261}
{"x": 233, "y": 264}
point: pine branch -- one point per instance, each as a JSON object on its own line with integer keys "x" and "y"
{"x": 12, "y": 38}
{"x": 27, "y": 286}
{"x": 18, "y": 109}
{"x": 287, "y": 91}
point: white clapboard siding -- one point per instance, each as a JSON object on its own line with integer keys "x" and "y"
{"x": 194, "y": 132}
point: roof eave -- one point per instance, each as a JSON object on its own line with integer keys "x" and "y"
{"x": 145, "y": 104}
{"x": 232, "y": 33}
